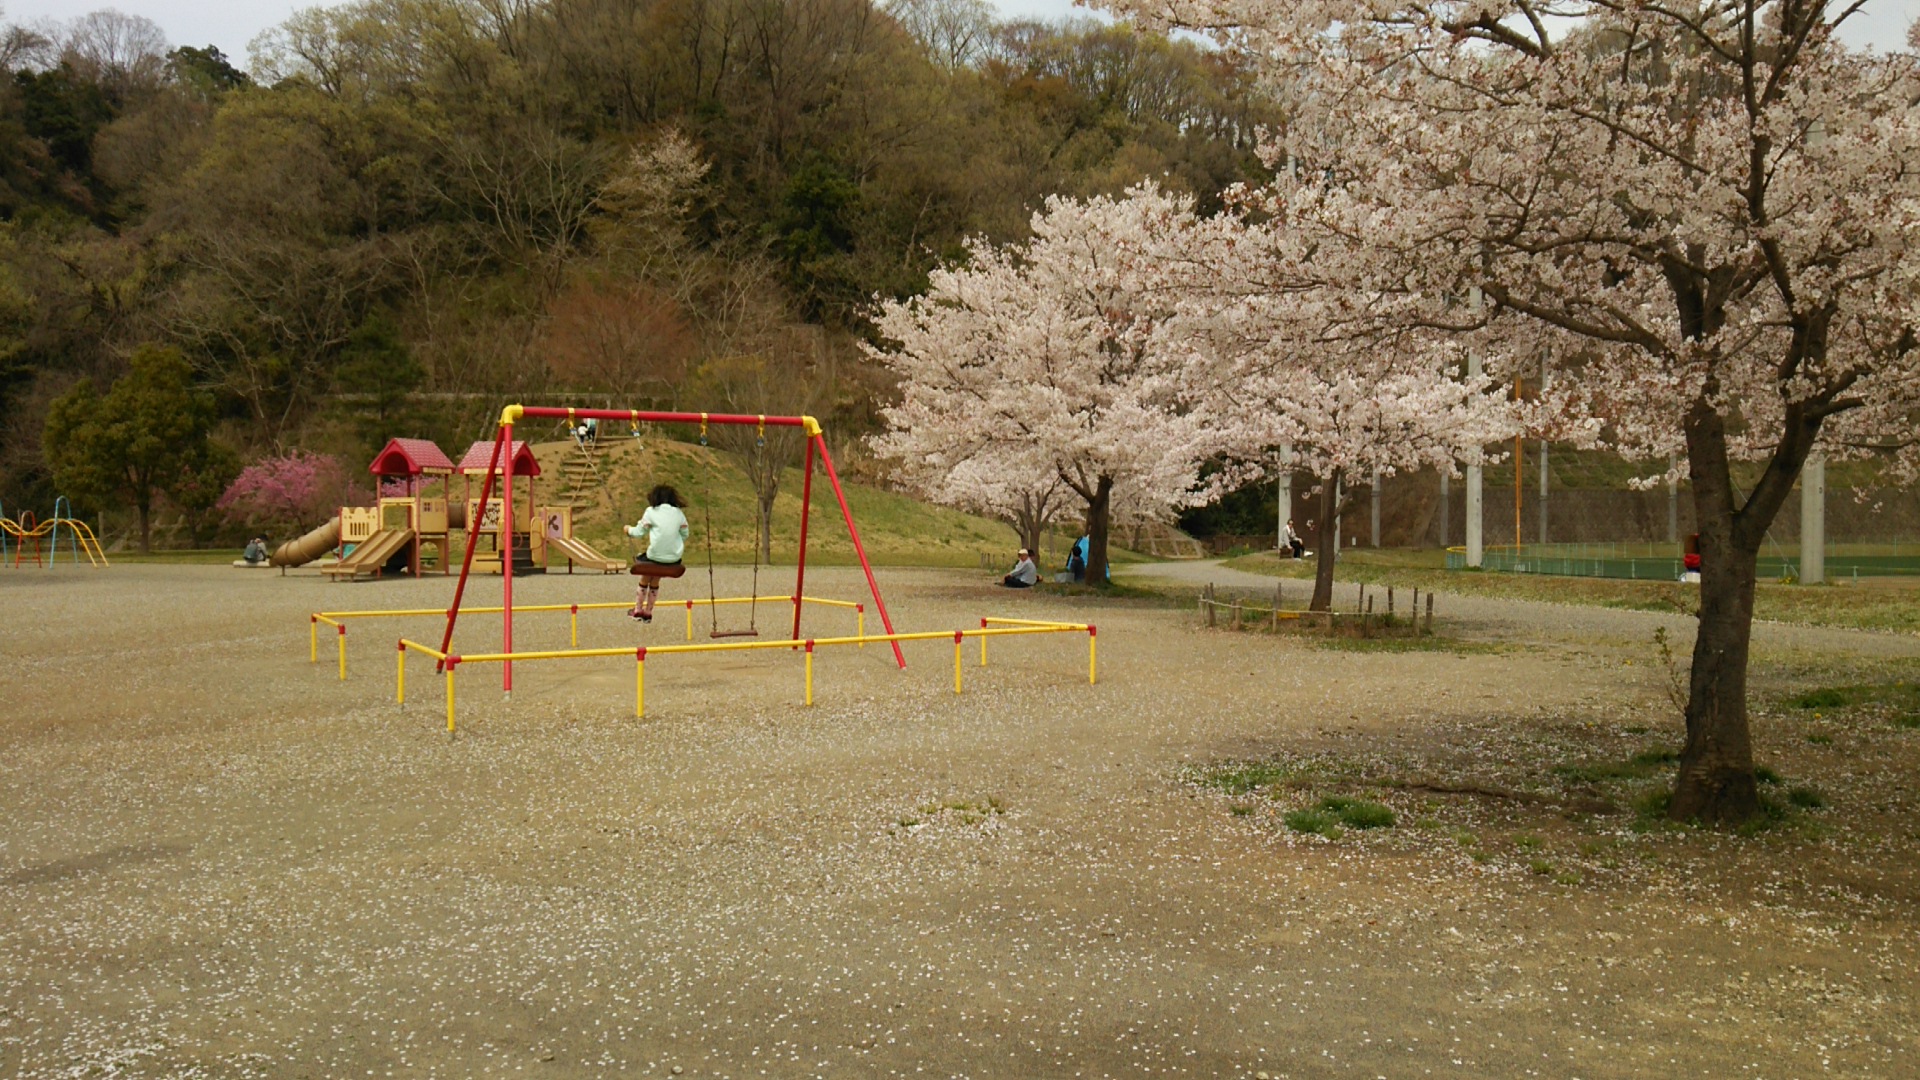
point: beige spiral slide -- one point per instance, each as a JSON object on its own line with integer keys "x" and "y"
{"x": 307, "y": 548}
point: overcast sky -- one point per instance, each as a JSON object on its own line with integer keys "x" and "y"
{"x": 230, "y": 24}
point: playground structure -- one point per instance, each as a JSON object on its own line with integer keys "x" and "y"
{"x": 29, "y": 538}
{"x": 501, "y": 462}
{"x": 412, "y": 530}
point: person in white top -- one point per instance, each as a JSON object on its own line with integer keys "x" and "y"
{"x": 665, "y": 529}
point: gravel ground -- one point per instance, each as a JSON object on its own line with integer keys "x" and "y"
{"x": 218, "y": 860}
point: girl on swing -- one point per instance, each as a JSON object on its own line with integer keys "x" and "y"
{"x": 665, "y": 528}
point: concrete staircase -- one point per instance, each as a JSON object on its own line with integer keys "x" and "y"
{"x": 582, "y": 476}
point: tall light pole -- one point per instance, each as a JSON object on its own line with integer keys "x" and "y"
{"x": 1476, "y": 549}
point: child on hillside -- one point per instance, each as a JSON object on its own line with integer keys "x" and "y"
{"x": 665, "y": 528}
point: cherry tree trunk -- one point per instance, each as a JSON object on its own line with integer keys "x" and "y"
{"x": 1326, "y": 544}
{"x": 1099, "y": 524}
{"x": 1715, "y": 784}
{"x": 1028, "y": 526}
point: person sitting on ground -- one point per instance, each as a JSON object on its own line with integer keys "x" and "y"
{"x": 1077, "y": 559}
{"x": 665, "y": 528}
{"x": 256, "y": 551}
{"x": 1024, "y": 572}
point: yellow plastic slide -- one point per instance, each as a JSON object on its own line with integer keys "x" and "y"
{"x": 581, "y": 554}
{"x": 369, "y": 555}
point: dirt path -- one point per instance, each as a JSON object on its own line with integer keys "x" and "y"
{"x": 218, "y": 860}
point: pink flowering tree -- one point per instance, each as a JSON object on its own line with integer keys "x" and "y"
{"x": 1039, "y": 359}
{"x": 1004, "y": 483}
{"x": 1341, "y": 372}
{"x": 1707, "y": 214}
{"x": 287, "y": 490}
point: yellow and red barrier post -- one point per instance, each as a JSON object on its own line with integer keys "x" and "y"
{"x": 1093, "y": 637}
{"x": 640, "y": 682}
{"x": 809, "y": 671}
{"x": 453, "y": 661}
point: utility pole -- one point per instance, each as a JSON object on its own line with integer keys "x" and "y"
{"x": 1374, "y": 534}
{"x": 1813, "y": 520}
{"x": 1285, "y": 494}
{"x": 1543, "y": 456}
{"x": 1476, "y": 553}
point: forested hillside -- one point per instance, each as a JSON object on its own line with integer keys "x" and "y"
{"x": 398, "y": 213}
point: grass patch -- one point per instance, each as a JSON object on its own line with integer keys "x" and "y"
{"x": 1318, "y": 822}
{"x": 1641, "y": 766}
{"x": 895, "y": 529}
{"x": 1358, "y": 813}
{"x": 965, "y": 811}
{"x": 1865, "y": 608}
{"x": 1424, "y": 643}
{"x": 1806, "y": 798}
{"x": 1898, "y": 701}
{"x": 1827, "y": 697}
{"x": 1765, "y": 775}
{"x": 1326, "y": 817}
{"x": 1650, "y": 811}
{"x": 1242, "y": 777}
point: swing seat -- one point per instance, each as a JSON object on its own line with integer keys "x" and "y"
{"x": 642, "y": 568}
{"x": 734, "y": 633}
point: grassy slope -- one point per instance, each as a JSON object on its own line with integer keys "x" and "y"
{"x": 895, "y": 529}
{"x": 1866, "y": 608}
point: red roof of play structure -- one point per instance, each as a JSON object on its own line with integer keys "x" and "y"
{"x": 410, "y": 457}
{"x": 476, "y": 458}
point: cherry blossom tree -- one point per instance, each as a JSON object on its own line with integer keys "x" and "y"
{"x": 286, "y": 490}
{"x": 1011, "y": 484}
{"x": 1340, "y": 370}
{"x": 1045, "y": 351}
{"x": 1707, "y": 212}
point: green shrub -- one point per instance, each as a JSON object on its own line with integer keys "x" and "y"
{"x": 1312, "y": 821}
{"x": 1358, "y": 813}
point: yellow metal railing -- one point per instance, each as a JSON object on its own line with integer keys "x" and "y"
{"x": 336, "y": 619}
{"x": 989, "y": 628}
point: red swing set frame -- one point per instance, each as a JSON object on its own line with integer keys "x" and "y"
{"x": 501, "y": 463}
